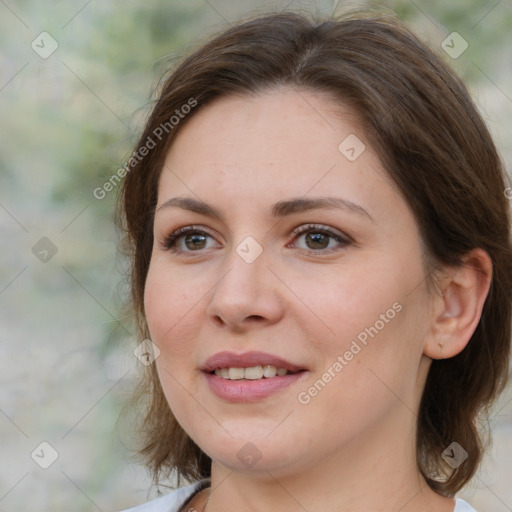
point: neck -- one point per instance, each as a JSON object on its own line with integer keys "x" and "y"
{"x": 374, "y": 471}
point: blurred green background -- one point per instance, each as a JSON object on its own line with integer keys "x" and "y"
{"x": 68, "y": 121}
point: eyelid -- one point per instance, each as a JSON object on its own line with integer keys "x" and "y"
{"x": 304, "y": 228}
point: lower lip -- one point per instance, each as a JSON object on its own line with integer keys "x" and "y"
{"x": 250, "y": 390}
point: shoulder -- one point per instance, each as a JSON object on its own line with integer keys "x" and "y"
{"x": 173, "y": 501}
{"x": 463, "y": 506}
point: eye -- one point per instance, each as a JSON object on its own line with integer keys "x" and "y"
{"x": 318, "y": 238}
{"x": 187, "y": 239}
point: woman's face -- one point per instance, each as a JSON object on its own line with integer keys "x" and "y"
{"x": 276, "y": 276}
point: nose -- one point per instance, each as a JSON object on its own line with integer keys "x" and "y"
{"x": 247, "y": 296}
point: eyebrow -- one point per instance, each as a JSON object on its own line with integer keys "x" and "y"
{"x": 279, "y": 209}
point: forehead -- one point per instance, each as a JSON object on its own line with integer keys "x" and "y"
{"x": 257, "y": 149}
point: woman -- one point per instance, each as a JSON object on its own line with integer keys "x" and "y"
{"x": 322, "y": 260}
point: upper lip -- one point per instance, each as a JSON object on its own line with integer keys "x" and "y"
{"x": 247, "y": 359}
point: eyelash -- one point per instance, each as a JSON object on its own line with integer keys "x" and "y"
{"x": 171, "y": 240}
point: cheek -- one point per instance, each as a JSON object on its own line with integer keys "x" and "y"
{"x": 168, "y": 308}
{"x": 168, "y": 298}
{"x": 343, "y": 302}
{"x": 156, "y": 300}
{"x": 175, "y": 301}
{"x": 362, "y": 382}
{"x": 375, "y": 362}
{"x": 374, "y": 318}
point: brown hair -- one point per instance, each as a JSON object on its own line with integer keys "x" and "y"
{"x": 430, "y": 138}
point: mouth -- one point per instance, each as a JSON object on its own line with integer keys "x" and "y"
{"x": 251, "y": 372}
{"x": 250, "y": 376}
{"x": 249, "y": 365}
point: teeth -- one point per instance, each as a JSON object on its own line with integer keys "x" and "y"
{"x": 251, "y": 373}
{"x": 254, "y": 372}
{"x": 269, "y": 371}
{"x": 236, "y": 373}
{"x": 222, "y": 372}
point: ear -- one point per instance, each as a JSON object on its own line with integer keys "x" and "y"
{"x": 457, "y": 309}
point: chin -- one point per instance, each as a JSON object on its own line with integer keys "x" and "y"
{"x": 251, "y": 453}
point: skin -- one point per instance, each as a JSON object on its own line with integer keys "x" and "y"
{"x": 352, "y": 447}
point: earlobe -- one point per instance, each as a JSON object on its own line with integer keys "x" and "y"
{"x": 459, "y": 307}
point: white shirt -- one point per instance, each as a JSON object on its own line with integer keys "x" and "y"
{"x": 174, "y": 501}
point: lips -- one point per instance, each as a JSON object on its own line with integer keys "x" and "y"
{"x": 247, "y": 360}
{"x": 246, "y": 390}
